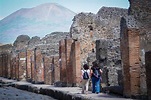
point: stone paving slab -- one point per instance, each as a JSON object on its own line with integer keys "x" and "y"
{"x": 61, "y": 93}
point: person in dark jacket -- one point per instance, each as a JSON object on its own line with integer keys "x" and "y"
{"x": 96, "y": 77}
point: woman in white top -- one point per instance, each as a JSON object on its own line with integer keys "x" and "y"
{"x": 85, "y": 78}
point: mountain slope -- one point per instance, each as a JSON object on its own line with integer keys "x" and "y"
{"x": 36, "y": 21}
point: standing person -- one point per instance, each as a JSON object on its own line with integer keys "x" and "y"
{"x": 85, "y": 78}
{"x": 96, "y": 77}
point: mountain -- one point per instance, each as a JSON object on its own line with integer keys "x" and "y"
{"x": 36, "y": 21}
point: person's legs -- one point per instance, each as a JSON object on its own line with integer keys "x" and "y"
{"x": 93, "y": 84}
{"x": 97, "y": 85}
{"x": 87, "y": 85}
{"x": 83, "y": 86}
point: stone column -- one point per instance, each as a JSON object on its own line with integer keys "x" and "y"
{"x": 62, "y": 56}
{"x": 13, "y": 68}
{"x": 148, "y": 71}
{"x": 22, "y": 65}
{"x": 69, "y": 71}
{"x": 134, "y": 52}
{"x": 76, "y": 63}
{"x": 130, "y": 46}
{"x": 56, "y": 69}
{"x": 16, "y": 64}
{"x": 124, "y": 44}
{"x": 39, "y": 66}
{"x": 4, "y": 64}
{"x": 28, "y": 65}
{"x": 9, "y": 66}
{"x": 1, "y": 67}
{"x": 32, "y": 57}
{"x": 48, "y": 70}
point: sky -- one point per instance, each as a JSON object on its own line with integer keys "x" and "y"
{"x": 9, "y": 6}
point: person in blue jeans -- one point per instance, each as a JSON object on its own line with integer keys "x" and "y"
{"x": 96, "y": 77}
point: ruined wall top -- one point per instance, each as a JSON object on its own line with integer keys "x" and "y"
{"x": 89, "y": 27}
{"x": 141, "y": 9}
{"x": 141, "y": 12}
{"x": 112, "y": 12}
{"x": 6, "y": 48}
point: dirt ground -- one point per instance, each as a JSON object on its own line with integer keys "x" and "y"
{"x": 10, "y": 93}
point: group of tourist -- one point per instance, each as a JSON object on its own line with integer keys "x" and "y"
{"x": 93, "y": 74}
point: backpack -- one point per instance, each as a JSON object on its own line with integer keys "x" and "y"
{"x": 85, "y": 75}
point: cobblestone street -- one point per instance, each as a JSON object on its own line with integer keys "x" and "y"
{"x": 11, "y": 93}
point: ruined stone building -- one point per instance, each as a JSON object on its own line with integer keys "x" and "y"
{"x": 135, "y": 48}
{"x": 118, "y": 39}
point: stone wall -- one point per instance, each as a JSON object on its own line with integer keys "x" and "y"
{"x": 105, "y": 25}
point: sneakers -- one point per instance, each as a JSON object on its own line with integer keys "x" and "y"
{"x": 96, "y": 92}
{"x": 84, "y": 92}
